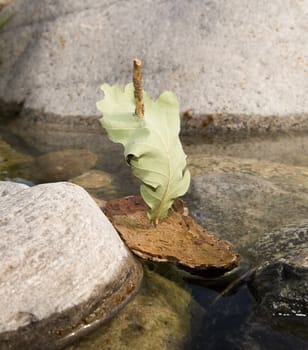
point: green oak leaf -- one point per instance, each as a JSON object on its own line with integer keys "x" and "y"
{"x": 152, "y": 146}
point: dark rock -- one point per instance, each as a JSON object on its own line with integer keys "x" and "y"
{"x": 280, "y": 284}
{"x": 230, "y": 323}
{"x": 281, "y": 292}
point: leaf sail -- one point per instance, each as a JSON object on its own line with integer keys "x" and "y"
{"x": 151, "y": 144}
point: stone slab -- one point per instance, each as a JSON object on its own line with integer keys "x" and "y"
{"x": 235, "y": 57}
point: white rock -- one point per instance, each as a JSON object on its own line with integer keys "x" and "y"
{"x": 58, "y": 251}
{"x": 242, "y": 57}
{"x": 10, "y": 188}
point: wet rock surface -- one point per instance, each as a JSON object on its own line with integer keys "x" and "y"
{"x": 280, "y": 284}
{"x": 242, "y": 199}
{"x": 93, "y": 179}
{"x": 281, "y": 292}
{"x": 288, "y": 244}
{"x": 63, "y": 267}
{"x": 261, "y": 208}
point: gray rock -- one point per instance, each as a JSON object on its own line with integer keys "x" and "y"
{"x": 63, "y": 268}
{"x": 21, "y": 181}
{"x": 288, "y": 244}
{"x": 242, "y": 61}
{"x": 242, "y": 207}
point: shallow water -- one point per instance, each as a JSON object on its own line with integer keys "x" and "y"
{"x": 225, "y": 309}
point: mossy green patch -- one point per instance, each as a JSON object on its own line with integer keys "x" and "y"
{"x": 10, "y": 160}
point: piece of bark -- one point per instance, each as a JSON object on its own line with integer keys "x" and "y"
{"x": 177, "y": 238}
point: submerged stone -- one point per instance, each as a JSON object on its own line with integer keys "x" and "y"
{"x": 99, "y": 184}
{"x": 93, "y": 179}
{"x": 59, "y": 166}
{"x": 63, "y": 268}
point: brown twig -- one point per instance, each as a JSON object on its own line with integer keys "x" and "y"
{"x": 137, "y": 80}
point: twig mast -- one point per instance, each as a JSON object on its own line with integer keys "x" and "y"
{"x": 137, "y": 80}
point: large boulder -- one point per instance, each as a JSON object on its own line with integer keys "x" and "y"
{"x": 63, "y": 268}
{"x": 243, "y": 63}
